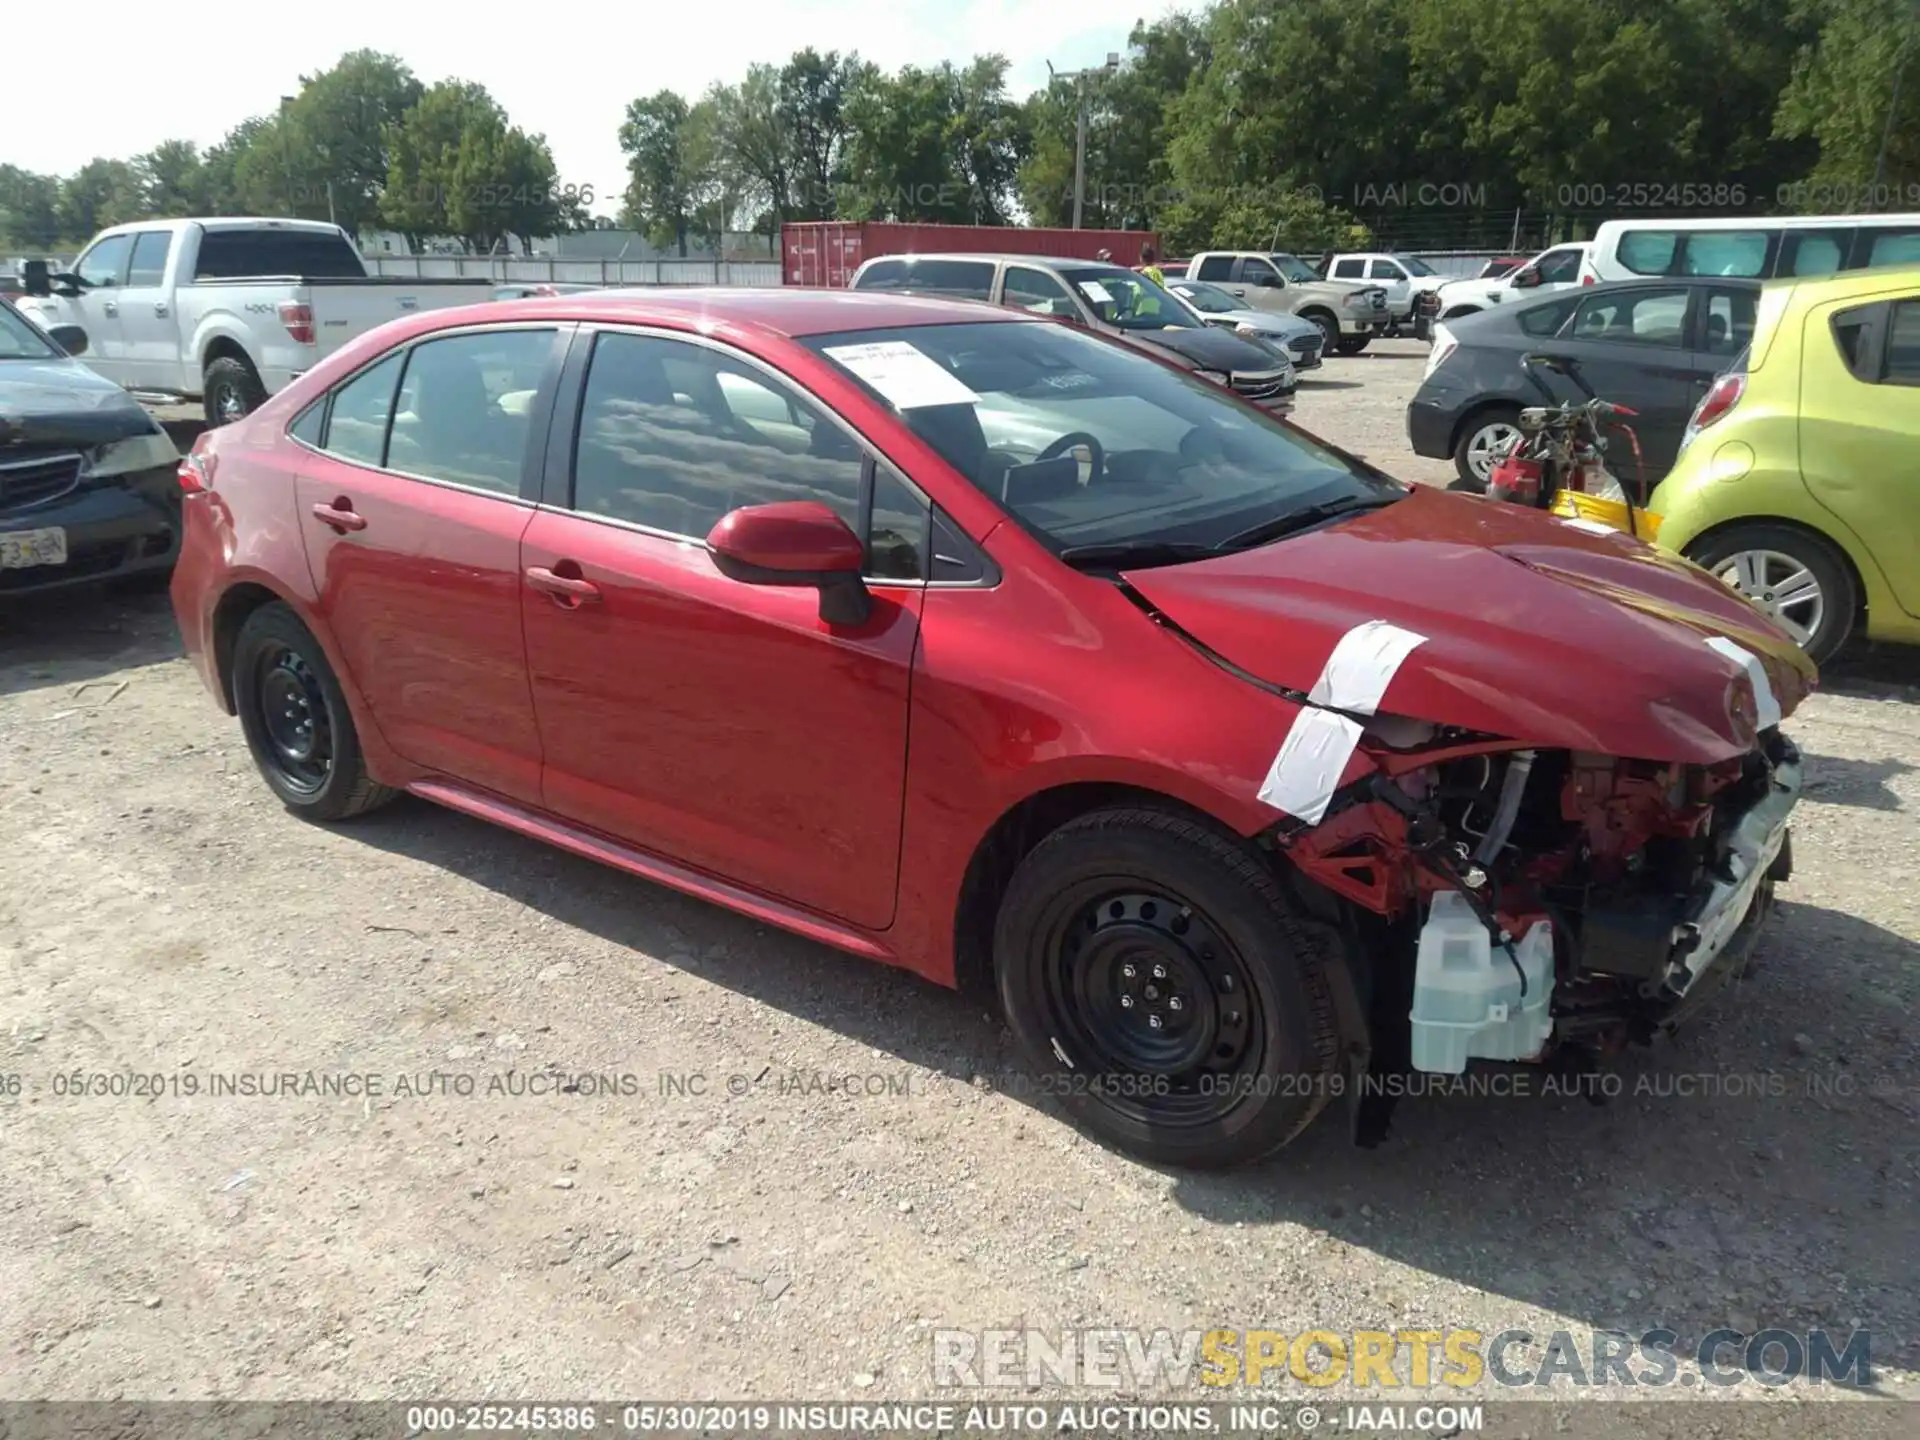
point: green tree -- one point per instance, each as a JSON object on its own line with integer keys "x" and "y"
{"x": 100, "y": 193}
{"x": 220, "y": 189}
{"x": 749, "y": 138}
{"x": 170, "y": 176}
{"x": 659, "y": 198}
{"x": 1855, "y": 92}
{"x": 30, "y": 209}
{"x": 340, "y": 124}
{"x": 813, "y": 90}
{"x": 459, "y": 168}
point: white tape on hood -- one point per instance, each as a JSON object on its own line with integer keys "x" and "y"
{"x": 1314, "y": 756}
{"x": 1764, "y": 700}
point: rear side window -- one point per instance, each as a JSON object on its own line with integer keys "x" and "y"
{"x": 1352, "y": 270}
{"x": 1637, "y": 317}
{"x": 1892, "y": 247}
{"x": 1813, "y": 252}
{"x": 357, "y": 427}
{"x": 239, "y": 254}
{"x": 1214, "y": 267}
{"x": 1730, "y": 315}
{"x": 1545, "y": 320}
{"x": 959, "y": 279}
{"x": 1902, "y": 366}
{"x": 311, "y": 424}
{"x": 149, "y": 265}
{"x": 1740, "y": 253}
{"x": 1648, "y": 252}
{"x": 464, "y": 410}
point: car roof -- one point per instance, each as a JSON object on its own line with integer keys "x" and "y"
{"x": 770, "y": 312}
{"x": 1869, "y": 281}
{"x": 1007, "y": 257}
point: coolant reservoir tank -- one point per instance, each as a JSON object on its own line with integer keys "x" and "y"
{"x": 1469, "y": 999}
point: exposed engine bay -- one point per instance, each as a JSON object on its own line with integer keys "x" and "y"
{"x": 1543, "y": 906}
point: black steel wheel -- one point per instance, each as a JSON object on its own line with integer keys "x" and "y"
{"x": 1164, "y": 991}
{"x": 296, "y": 719}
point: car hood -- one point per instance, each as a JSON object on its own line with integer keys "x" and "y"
{"x": 1210, "y": 348}
{"x": 1535, "y": 630}
{"x": 1268, "y": 323}
{"x": 61, "y": 402}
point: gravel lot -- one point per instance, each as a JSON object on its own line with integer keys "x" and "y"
{"x": 162, "y": 915}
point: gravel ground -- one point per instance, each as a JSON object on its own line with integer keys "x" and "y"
{"x": 763, "y": 1236}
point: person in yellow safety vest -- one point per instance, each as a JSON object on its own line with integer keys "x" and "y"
{"x": 1147, "y": 268}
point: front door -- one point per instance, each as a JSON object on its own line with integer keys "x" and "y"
{"x": 149, "y": 332}
{"x": 720, "y": 724}
{"x": 96, "y": 309}
{"x": 412, "y": 512}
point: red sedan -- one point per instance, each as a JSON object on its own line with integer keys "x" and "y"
{"x": 973, "y": 643}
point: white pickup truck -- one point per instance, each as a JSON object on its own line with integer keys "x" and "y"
{"x": 224, "y": 310}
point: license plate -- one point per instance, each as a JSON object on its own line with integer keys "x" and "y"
{"x": 21, "y": 548}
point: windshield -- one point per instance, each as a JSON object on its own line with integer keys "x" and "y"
{"x": 1294, "y": 268}
{"x": 19, "y": 339}
{"x": 1416, "y": 267}
{"x": 1205, "y": 298}
{"x": 1088, "y": 443}
{"x": 1129, "y": 301}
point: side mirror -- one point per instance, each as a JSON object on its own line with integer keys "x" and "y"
{"x": 36, "y": 278}
{"x": 796, "y": 542}
{"x": 70, "y": 338}
{"x": 1525, "y": 278}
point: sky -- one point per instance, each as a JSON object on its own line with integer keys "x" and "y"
{"x": 569, "y": 77}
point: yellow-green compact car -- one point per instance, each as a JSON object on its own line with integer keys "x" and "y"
{"x": 1798, "y": 482}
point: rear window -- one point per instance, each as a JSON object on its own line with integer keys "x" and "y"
{"x": 961, "y": 279}
{"x": 245, "y": 254}
{"x": 1649, "y": 252}
{"x": 1545, "y": 320}
{"x": 1740, "y": 253}
{"x": 1894, "y": 248}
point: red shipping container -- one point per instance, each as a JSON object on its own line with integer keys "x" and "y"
{"x": 827, "y": 252}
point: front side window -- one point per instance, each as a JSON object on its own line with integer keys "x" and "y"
{"x": 1727, "y": 252}
{"x": 1088, "y": 443}
{"x": 1559, "y": 267}
{"x": 357, "y": 426}
{"x": 1638, "y": 317}
{"x": 463, "y": 413}
{"x": 103, "y": 265}
{"x": 673, "y": 436}
{"x": 1035, "y": 290}
{"x": 1294, "y": 268}
{"x": 1416, "y": 266}
{"x": 1386, "y": 270}
{"x": 149, "y": 265}
{"x": 1649, "y": 252}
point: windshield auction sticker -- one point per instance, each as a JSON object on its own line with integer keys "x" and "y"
{"x": 909, "y": 379}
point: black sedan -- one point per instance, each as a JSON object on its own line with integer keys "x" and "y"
{"x": 1654, "y": 346}
{"x": 89, "y": 486}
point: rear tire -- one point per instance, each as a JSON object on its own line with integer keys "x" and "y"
{"x": 1482, "y": 430}
{"x": 1353, "y": 344}
{"x": 230, "y": 390}
{"x": 1797, "y": 579}
{"x": 1127, "y": 916}
{"x": 296, "y": 720}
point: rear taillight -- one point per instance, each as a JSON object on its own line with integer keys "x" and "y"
{"x": 196, "y": 468}
{"x": 1443, "y": 345}
{"x": 1721, "y": 397}
{"x": 297, "y": 316}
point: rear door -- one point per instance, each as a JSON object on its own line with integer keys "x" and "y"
{"x": 149, "y": 330}
{"x": 721, "y": 725}
{"x": 412, "y": 508}
{"x": 1860, "y": 427}
{"x": 1635, "y": 348}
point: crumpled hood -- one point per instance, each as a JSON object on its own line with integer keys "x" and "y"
{"x": 1211, "y": 349}
{"x": 61, "y": 402}
{"x": 1535, "y": 630}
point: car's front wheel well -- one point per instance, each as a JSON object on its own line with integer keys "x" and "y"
{"x": 1008, "y": 842}
{"x": 1705, "y": 538}
{"x": 228, "y": 616}
{"x": 1457, "y": 311}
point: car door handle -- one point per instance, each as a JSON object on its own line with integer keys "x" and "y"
{"x": 563, "y": 588}
{"x": 107, "y": 307}
{"x": 160, "y": 307}
{"x": 340, "y": 516}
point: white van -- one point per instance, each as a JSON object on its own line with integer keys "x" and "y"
{"x": 1756, "y": 248}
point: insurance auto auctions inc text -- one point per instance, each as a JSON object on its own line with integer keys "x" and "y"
{"x": 1372, "y": 1360}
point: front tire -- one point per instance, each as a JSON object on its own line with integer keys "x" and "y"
{"x": 1162, "y": 986}
{"x": 296, "y": 720}
{"x": 1797, "y": 580}
{"x": 1353, "y": 344}
{"x": 1329, "y": 330}
{"x": 230, "y": 390}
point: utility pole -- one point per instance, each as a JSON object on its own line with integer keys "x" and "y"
{"x": 286, "y": 152}
{"x": 1079, "y": 77}
{"x": 1893, "y": 101}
